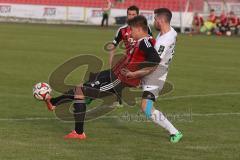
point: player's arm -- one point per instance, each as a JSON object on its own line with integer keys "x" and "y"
{"x": 139, "y": 73}
{"x": 147, "y": 67}
{"x": 115, "y": 42}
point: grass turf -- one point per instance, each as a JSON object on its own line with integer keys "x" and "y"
{"x": 203, "y": 65}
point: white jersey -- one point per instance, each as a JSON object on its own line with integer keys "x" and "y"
{"x": 165, "y": 45}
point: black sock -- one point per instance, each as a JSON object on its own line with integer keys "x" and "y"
{"x": 79, "y": 115}
{"x": 65, "y": 98}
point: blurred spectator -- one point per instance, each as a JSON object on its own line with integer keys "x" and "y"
{"x": 212, "y": 17}
{"x": 106, "y": 12}
{"x": 210, "y": 24}
{"x": 232, "y": 23}
{"x": 197, "y": 23}
{"x": 222, "y": 24}
{"x": 238, "y": 26}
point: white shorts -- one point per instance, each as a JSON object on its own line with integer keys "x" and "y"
{"x": 154, "y": 82}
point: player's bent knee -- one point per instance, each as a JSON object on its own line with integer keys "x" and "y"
{"x": 78, "y": 92}
{"x": 148, "y": 95}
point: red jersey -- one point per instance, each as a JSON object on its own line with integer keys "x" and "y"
{"x": 233, "y": 21}
{"x": 198, "y": 20}
{"x": 223, "y": 20}
{"x": 212, "y": 18}
{"x": 142, "y": 52}
{"x": 124, "y": 34}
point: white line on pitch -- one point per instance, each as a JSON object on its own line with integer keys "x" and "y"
{"x": 162, "y": 98}
{"x": 200, "y": 95}
{"x": 27, "y": 119}
{"x": 109, "y": 117}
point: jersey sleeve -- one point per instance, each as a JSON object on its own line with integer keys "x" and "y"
{"x": 161, "y": 49}
{"x": 117, "y": 38}
{"x": 152, "y": 57}
{"x": 164, "y": 49}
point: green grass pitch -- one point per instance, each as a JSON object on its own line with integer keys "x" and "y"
{"x": 205, "y": 100}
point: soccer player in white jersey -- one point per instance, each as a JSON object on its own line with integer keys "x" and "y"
{"x": 153, "y": 83}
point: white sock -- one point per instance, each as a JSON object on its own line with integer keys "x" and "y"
{"x": 158, "y": 118}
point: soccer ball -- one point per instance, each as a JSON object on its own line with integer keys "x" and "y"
{"x": 41, "y": 91}
{"x": 229, "y": 33}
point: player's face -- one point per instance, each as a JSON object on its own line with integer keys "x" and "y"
{"x": 131, "y": 14}
{"x": 157, "y": 23}
{"x": 231, "y": 15}
{"x": 135, "y": 32}
{"x": 212, "y": 13}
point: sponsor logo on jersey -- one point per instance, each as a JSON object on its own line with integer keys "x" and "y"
{"x": 161, "y": 49}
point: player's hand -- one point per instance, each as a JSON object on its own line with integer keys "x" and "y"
{"x": 127, "y": 73}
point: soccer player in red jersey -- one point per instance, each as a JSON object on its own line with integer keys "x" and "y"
{"x": 238, "y": 26}
{"x": 143, "y": 60}
{"x": 222, "y": 24}
{"x": 232, "y": 22}
{"x": 124, "y": 34}
{"x": 223, "y": 19}
{"x": 212, "y": 17}
{"x": 197, "y": 23}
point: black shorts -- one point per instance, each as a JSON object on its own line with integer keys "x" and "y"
{"x": 102, "y": 84}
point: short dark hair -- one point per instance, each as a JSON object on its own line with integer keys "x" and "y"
{"x": 133, "y": 8}
{"x": 164, "y": 12}
{"x": 139, "y": 21}
{"x": 212, "y": 10}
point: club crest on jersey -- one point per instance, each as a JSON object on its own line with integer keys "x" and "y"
{"x": 131, "y": 41}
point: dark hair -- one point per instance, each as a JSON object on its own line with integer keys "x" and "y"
{"x": 133, "y": 8}
{"x": 164, "y": 12}
{"x": 212, "y": 10}
{"x": 139, "y": 21}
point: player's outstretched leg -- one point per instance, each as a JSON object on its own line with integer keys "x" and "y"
{"x": 52, "y": 103}
{"x": 79, "y": 105}
{"x": 158, "y": 117}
